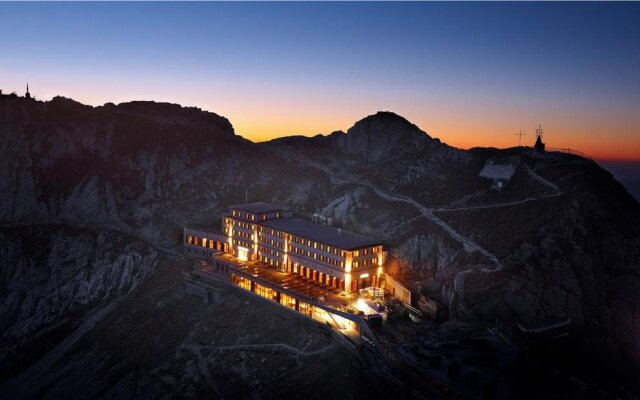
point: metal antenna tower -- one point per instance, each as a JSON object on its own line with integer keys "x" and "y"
{"x": 520, "y": 135}
{"x": 539, "y": 132}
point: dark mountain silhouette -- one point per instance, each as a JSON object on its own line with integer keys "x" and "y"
{"x": 92, "y": 200}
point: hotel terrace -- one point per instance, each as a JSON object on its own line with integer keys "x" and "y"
{"x": 304, "y": 266}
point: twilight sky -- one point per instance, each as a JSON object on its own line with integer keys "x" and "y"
{"x": 471, "y": 74}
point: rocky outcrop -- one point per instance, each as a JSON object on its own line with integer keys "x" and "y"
{"x": 50, "y": 271}
{"x": 384, "y": 135}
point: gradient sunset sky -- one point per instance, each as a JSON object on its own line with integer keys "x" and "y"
{"x": 471, "y": 74}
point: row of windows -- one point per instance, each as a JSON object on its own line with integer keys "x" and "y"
{"x": 373, "y": 261}
{"x": 245, "y": 235}
{"x": 299, "y": 240}
{"x": 250, "y": 216}
{"x": 270, "y": 251}
{"x": 239, "y": 224}
{"x": 304, "y": 253}
{"x": 273, "y": 232}
{"x": 203, "y": 242}
{"x": 372, "y": 250}
{"x": 322, "y": 247}
{"x": 265, "y": 291}
{"x": 315, "y": 256}
{"x": 242, "y": 243}
{"x": 270, "y": 261}
{"x": 272, "y": 242}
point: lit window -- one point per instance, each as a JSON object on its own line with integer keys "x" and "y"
{"x": 243, "y": 253}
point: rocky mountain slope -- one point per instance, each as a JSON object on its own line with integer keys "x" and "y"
{"x": 92, "y": 201}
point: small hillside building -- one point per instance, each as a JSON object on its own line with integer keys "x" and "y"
{"x": 500, "y": 171}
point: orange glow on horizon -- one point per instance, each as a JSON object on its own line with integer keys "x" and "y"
{"x": 603, "y": 134}
{"x": 589, "y": 138}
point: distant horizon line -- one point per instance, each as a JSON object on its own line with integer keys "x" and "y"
{"x": 35, "y": 98}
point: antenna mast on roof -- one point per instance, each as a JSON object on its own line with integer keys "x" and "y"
{"x": 246, "y": 196}
{"x": 520, "y": 135}
{"x": 539, "y": 132}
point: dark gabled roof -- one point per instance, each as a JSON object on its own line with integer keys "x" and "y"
{"x": 259, "y": 207}
{"x": 321, "y": 233}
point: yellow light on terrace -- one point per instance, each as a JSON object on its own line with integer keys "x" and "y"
{"x": 362, "y": 305}
{"x": 363, "y": 276}
{"x": 243, "y": 253}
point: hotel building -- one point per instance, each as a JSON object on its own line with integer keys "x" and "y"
{"x": 269, "y": 234}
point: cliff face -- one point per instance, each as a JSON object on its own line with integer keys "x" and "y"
{"x": 92, "y": 201}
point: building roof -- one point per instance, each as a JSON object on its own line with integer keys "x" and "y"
{"x": 204, "y": 228}
{"x": 321, "y": 233}
{"x": 259, "y": 207}
{"x": 495, "y": 170}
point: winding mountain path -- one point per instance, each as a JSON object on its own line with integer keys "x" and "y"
{"x": 428, "y": 212}
{"x": 542, "y": 180}
{"x": 266, "y": 347}
{"x": 468, "y": 244}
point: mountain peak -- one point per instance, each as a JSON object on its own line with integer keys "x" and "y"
{"x": 376, "y": 136}
{"x": 385, "y": 117}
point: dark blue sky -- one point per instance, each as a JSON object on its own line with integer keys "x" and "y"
{"x": 470, "y": 73}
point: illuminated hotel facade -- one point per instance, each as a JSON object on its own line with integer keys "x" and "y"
{"x": 269, "y": 234}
